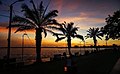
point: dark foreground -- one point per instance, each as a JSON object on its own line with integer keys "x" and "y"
{"x": 100, "y": 62}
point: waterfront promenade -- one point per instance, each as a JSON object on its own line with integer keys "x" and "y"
{"x": 100, "y": 62}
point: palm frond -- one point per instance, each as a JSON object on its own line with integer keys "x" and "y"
{"x": 50, "y": 22}
{"x": 51, "y": 14}
{"x": 70, "y": 25}
{"x": 89, "y": 31}
{"x": 62, "y": 28}
{"x": 99, "y": 37}
{"x": 36, "y": 12}
{"x": 74, "y": 29}
{"x": 50, "y": 31}
{"x": 101, "y": 34}
{"x": 59, "y": 39}
{"x": 41, "y": 9}
{"x": 86, "y": 37}
{"x": 53, "y": 27}
{"x": 57, "y": 28}
{"x": 79, "y": 36}
{"x": 44, "y": 30}
{"x": 15, "y": 25}
{"x": 96, "y": 30}
{"x": 29, "y": 13}
{"x": 65, "y": 27}
{"x": 22, "y": 20}
{"x": 46, "y": 9}
{"x": 22, "y": 28}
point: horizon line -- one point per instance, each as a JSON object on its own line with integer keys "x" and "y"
{"x": 65, "y": 47}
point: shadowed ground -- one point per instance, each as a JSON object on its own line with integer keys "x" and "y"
{"x": 116, "y": 68}
{"x": 101, "y": 62}
{"x": 98, "y": 63}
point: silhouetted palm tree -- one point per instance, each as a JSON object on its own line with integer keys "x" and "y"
{"x": 94, "y": 33}
{"x": 68, "y": 31}
{"x": 37, "y": 19}
{"x": 112, "y": 29}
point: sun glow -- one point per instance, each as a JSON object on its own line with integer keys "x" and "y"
{"x": 49, "y": 41}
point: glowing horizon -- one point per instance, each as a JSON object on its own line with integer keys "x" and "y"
{"x": 49, "y": 41}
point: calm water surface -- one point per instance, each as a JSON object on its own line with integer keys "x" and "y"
{"x": 30, "y": 53}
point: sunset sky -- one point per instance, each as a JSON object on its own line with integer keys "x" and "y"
{"x": 84, "y": 14}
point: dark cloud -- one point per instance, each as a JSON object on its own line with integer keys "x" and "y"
{"x": 98, "y": 7}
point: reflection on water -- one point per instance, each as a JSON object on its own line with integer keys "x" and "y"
{"x": 30, "y": 53}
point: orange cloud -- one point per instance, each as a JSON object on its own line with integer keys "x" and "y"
{"x": 83, "y": 17}
{"x": 70, "y": 19}
{"x": 3, "y": 29}
{"x": 83, "y": 21}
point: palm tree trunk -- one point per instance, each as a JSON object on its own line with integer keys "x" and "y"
{"x": 69, "y": 45}
{"x": 95, "y": 42}
{"x": 38, "y": 44}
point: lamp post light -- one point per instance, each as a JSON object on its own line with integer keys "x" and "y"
{"x": 9, "y": 28}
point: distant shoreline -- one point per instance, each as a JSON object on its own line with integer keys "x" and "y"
{"x": 71, "y": 47}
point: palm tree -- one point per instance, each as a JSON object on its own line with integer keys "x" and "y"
{"x": 112, "y": 27}
{"x": 94, "y": 33}
{"x": 37, "y": 19}
{"x": 67, "y": 31}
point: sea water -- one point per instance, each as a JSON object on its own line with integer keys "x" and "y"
{"x": 46, "y": 53}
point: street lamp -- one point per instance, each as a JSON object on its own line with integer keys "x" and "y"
{"x": 23, "y": 45}
{"x": 9, "y": 27}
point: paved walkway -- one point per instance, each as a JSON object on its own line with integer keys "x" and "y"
{"x": 116, "y": 68}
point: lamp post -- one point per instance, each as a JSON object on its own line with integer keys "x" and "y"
{"x": 80, "y": 47}
{"x": 84, "y": 43}
{"x": 9, "y": 28}
{"x": 23, "y": 45}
